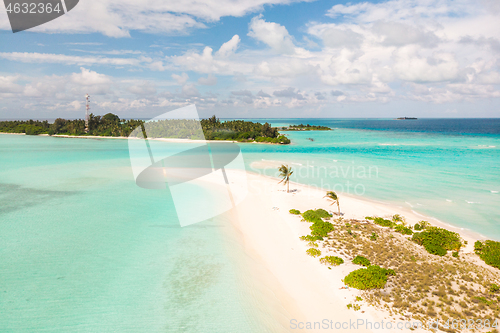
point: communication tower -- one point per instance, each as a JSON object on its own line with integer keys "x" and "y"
{"x": 87, "y": 114}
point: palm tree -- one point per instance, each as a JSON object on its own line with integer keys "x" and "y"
{"x": 334, "y": 197}
{"x": 285, "y": 172}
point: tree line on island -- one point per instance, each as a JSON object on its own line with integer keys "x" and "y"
{"x": 306, "y": 127}
{"x": 111, "y": 125}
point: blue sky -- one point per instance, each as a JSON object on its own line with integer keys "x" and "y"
{"x": 264, "y": 58}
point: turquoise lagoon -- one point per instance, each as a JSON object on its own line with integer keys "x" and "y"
{"x": 83, "y": 249}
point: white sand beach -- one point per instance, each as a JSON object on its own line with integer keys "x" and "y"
{"x": 308, "y": 290}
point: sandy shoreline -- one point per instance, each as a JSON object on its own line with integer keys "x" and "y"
{"x": 306, "y": 289}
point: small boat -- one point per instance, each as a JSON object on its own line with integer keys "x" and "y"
{"x": 310, "y": 139}
{"x": 406, "y": 118}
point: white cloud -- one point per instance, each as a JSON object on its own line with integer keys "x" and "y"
{"x": 181, "y": 79}
{"x": 143, "y": 88}
{"x": 189, "y": 91}
{"x": 34, "y": 57}
{"x": 290, "y": 93}
{"x": 334, "y": 37}
{"x": 228, "y": 48}
{"x": 90, "y": 78}
{"x": 400, "y": 34}
{"x": 210, "y": 80}
{"x": 410, "y": 66}
{"x": 274, "y": 35}
{"x": 116, "y": 18}
{"x": 8, "y": 85}
{"x": 75, "y": 105}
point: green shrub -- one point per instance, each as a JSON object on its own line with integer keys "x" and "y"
{"x": 398, "y": 218}
{"x": 373, "y": 277}
{"x": 331, "y": 260}
{"x": 323, "y": 213}
{"x": 294, "y": 211}
{"x": 309, "y": 238}
{"x": 383, "y": 222}
{"x": 313, "y": 244}
{"x": 315, "y": 215}
{"x": 435, "y": 249}
{"x": 313, "y": 252}
{"x": 374, "y": 236}
{"x": 417, "y": 227}
{"x": 359, "y": 260}
{"x": 424, "y": 224}
{"x": 403, "y": 230}
{"x": 320, "y": 229}
{"x": 494, "y": 288}
{"x": 455, "y": 254}
{"x": 438, "y": 240}
{"x": 489, "y": 252}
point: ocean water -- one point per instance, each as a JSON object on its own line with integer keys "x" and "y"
{"x": 443, "y": 168}
{"x": 83, "y": 249}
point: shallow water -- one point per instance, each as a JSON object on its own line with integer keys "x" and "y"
{"x": 83, "y": 249}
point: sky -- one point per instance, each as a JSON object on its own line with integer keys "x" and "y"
{"x": 256, "y": 59}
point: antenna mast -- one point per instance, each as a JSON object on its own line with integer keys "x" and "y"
{"x": 87, "y": 108}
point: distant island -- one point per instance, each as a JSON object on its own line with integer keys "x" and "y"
{"x": 406, "y": 118}
{"x": 303, "y": 127}
{"x": 110, "y": 125}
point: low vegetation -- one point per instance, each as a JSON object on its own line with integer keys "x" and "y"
{"x": 315, "y": 215}
{"x": 381, "y": 221}
{"x": 438, "y": 241}
{"x": 331, "y": 260}
{"x": 321, "y": 229}
{"x": 294, "y": 211}
{"x": 313, "y": 252}
{"x": 359, "y": 260}
{"x": 372, "y": 277}
{"x": 421, "y": 225}
{"x": 489, "y": 252}
{"x": 425, "y": 286}
{"x": 403, "y": 230}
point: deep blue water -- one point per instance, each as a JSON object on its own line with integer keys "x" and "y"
{"x": 478, "y": 126}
